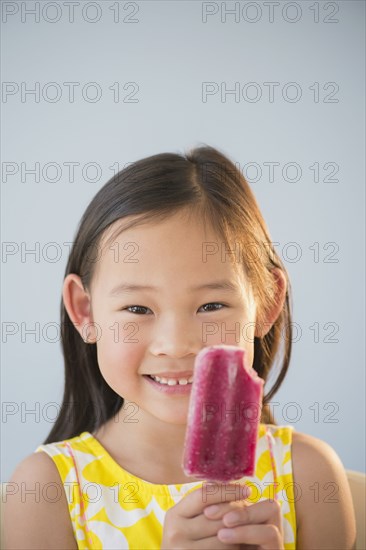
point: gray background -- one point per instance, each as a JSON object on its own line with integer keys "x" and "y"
{"x": 168, "y": 52}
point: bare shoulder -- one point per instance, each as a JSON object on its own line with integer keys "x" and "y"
{"x": 323, "y": 501}
{"x": 36, "y": 514}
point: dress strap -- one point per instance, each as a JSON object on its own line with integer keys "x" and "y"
{"x": 273, "y": 463}
{"x": 82, "y": 505}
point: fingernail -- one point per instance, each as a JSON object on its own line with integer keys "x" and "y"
{"x": 247, "y": 491}
{"x": 226, "y": 534}
{"x": 211, "y": 510}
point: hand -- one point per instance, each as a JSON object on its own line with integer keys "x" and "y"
{"x": 187, "y": 527}
{"x": 258, "y": 526}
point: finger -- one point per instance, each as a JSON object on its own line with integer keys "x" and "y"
{"x": 201, "y": 528}
{"x": 211, "y": 493}
{"x": 242, "y": 512}
{"x": 263, "y": 512}
{"x": 217, "y": 511}
{"x": 267, "y": 537}
{"x": 213, "y": 543}
{"x": 198, "y": 532}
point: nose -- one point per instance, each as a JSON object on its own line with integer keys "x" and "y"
{"x": 175, "y": 338}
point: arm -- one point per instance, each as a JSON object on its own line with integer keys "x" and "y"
{"x": 31, "y": 525}
{"x": 324, "y": 511}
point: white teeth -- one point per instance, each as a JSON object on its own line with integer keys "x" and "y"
{"x": 173, "y": 382}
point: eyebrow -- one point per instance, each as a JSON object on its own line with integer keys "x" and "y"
{"x": 214, "y": 285}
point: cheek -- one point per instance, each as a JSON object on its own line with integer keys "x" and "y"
{"x": 119, "y": 366}
{"x": 119, "y": 351}
{"x": 247, "y": 341}
{"x": 113, "y": 354}
{"x": 249, "y": 349}
{"x": 118, "y": 331}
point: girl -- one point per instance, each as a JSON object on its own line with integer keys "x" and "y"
{"x": 171, "y": 255}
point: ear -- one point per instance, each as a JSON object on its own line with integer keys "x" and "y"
{"x": 272, "y": 314}
{"x": 78, "y": 306}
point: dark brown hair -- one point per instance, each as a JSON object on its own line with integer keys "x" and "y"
{"x": 205, "y": 182}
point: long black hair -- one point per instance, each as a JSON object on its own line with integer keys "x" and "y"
{"x": 207, "y": 182}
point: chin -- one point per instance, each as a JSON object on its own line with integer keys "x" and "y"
{"x": 175, "y": 419}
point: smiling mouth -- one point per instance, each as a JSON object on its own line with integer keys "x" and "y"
{"x": 164, "y": 381}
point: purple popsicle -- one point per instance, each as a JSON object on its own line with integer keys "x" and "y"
{"x": 223, "y": 416}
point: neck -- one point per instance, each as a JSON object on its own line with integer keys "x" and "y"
{"x": 145, "y": 445}
{"x": 147, "y": 432}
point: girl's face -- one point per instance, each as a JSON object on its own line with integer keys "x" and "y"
{"x": 151, "y": 331}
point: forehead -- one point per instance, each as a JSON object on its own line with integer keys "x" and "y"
{"x": 179, "y": 247}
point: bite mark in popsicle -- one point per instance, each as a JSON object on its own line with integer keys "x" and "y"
{"x": 223, "y": 416}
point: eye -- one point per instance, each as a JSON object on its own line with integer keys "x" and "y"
{"x": 137, "y": 309}
{"x": 214, "y": 304}
{"x": 141, "y": 310}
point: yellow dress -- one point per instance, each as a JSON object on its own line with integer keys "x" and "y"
{"x": 113, "y": 509}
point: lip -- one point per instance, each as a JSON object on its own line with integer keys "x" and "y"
{"x": 170, "y": 390}
{"x": 173, "y": 375}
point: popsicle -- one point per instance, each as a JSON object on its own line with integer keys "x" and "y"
{"x": 223, "y": 416}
